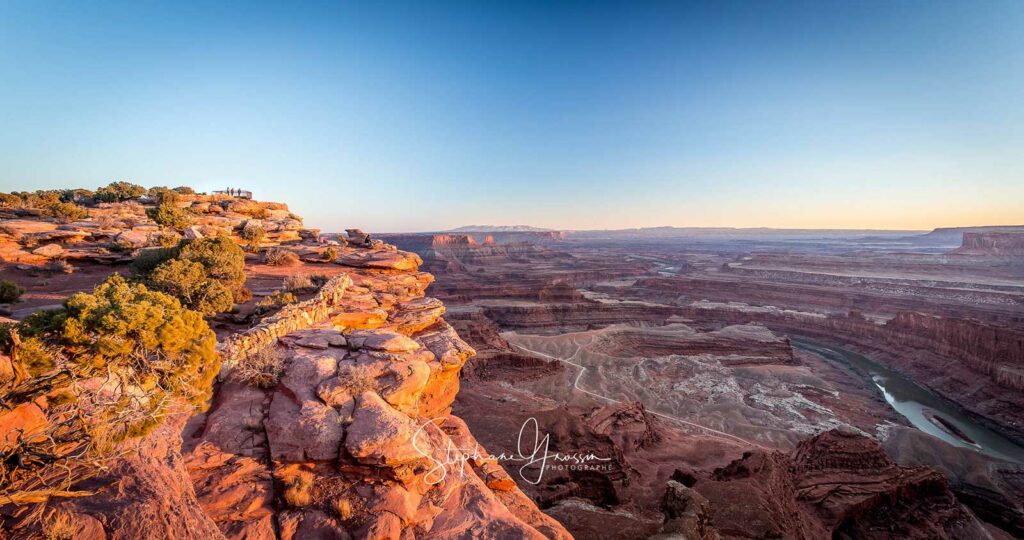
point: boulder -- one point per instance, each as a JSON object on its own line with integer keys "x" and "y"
{"x": 361, "y": 320}
{"x": 382, "y": 340}
{"x": 49, "y": 250}
{"x": 311, "y": 431}
{"x": 410, "y": 380}
{"x": 135, "y": 238}
{"x": 380, "y": 435}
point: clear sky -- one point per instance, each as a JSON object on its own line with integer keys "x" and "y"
{"x": 430, "y": 115}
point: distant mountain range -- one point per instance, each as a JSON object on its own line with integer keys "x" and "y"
{"x": 498, "y": 228}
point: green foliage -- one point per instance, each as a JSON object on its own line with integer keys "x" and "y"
{"x": 10, "y": 292}
{"x": 164, "y": 195}
{"x": 81, "y": 196}
{"x": 207, "y": 274}
{"x": 222, "y": 258}
{"x": 277, "y": 300}
{"x": 68, "y": 211}
{"x": 119, "y": 191}
{"x": 169, "y": 215}
{"x": 148, "y": 259}
{"x": 59, "y": 204}
{"x": 9, "y": 200}
{"x": 330, "y": 254}
{"x": 253, "y": 234}
{"x": 167, "y": 240}
{"x": 36, "y": 356}
{"x": 146, "y": 337}
{"x": 189, "y": 282}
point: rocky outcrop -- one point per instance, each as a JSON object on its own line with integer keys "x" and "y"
{"x": 112, "y": 232}
{"x": 836, "y": 484}
{"x": 147, "y": 493}
{"x": 354, "y": 439}
{"x": 289, "y": 319}
{"x": 1000, "y": 244}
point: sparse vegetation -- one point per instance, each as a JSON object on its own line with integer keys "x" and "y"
{"x": 261, "y": 369}
{"x": 146, "y": 337}
{"x": 59, "y": 266}
{"x": 119, "y": 191}
{"x": 68, "y": 211}
{"x": 9, "y": 200}
{"x": 253, "y": 234}
{"x": 344, "y": 508}
{"x": 50, "y": 203}
{"x": 330, "y": 254}
{"x": 10, "y": 292}
{"x": 280, "y": 257}
{"x": 168, "y": 214}
{"x": 59, "y": 525}
{"x": 276, "y": 300}
{"x": 167, "y": 240}
{"x": 153, "y": 354}
{"x": 299, "y": 284}
{"x": 298, "y": 488}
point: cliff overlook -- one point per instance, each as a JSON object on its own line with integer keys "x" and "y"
{"x": 322, "y": 411}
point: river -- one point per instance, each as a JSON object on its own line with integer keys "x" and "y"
{"x": 922, "y": 408}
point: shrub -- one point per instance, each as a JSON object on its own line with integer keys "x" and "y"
{"x": 319, "y": 280}
{"x": 10, "y": 292}
{"x": 223, "y": 259}
{"x": 330, "y": 254}
{"x": 36, "y": 356}
{"x": 169, "y": 215}
{"x": 148, "y": 259}
{"x": 344, "y": 508}
{"x": 119, "y": 191}
{"x": 163, "y": 195}
{"x": 9, "y": 200}
{"x": 243, "y": 295}
{"x": 208, "y": 274}
{"x": 278, "y": 299}
{"x": 261, "y": 369}
{"x": 185, "y": 190}
{"x": 59, "y": 525}
{"x": 80, "y": 196}
{"x": 298, "y": 487}
{"x": 167, "y": 240}
{"x": 253, "y": 234}
{"x": 189, "y": 282}
{"x": 280, "y": 257}
{"x": 147, "y": 338}
{"x": 58, "y": 266}
{"x": 300, "y": 284}
{"x": 68, "y": 211}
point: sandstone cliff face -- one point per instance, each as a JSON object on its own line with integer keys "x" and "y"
{"x": 995, "y": 351}
{"x": 992, "y": 243}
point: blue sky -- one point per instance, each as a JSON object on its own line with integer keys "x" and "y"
{"x": 430, "y": 115}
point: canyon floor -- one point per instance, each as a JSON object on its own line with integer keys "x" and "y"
{"x": 718, "y": 359}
